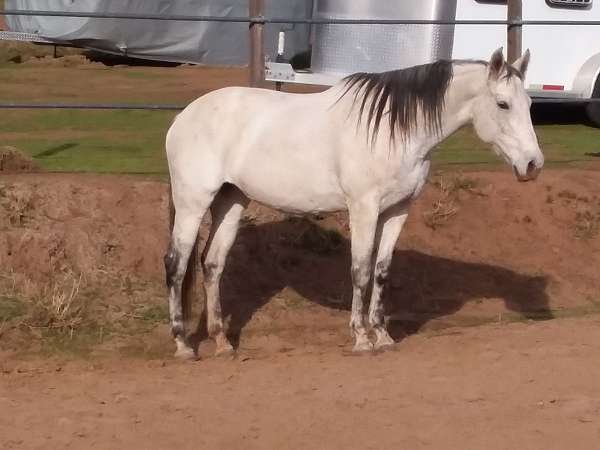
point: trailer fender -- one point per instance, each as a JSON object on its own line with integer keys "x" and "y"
{"x": 587, "y": 76}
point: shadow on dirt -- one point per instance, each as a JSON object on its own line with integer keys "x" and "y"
{"x": 299, "y": 254}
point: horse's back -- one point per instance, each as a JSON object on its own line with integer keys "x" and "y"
{"x": 267, "y": 143}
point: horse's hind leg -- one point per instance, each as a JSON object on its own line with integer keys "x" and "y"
{"x": 188, "y": 215}
{"x": 226, "y": 212}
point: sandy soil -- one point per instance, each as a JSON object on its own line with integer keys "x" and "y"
{"x": 479, "y": 249}
{"x": 525, "y": 386}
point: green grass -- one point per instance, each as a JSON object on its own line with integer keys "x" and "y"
{"x": 10, "y": 308}
{"x": 156, "y": 314}
{"x": 90, "y": 141}
{"x": 79, "y": 345}
{"x": 561, "y": 144}
{"x": 133, "y": 141}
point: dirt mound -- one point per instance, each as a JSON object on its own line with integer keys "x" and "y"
{"x": 20, "y": 52}
{"x": 12, "y": 160}
{"x": 477, "y": 246}
{"x": 63, "y": 61}
{"x": 85, "y": 224}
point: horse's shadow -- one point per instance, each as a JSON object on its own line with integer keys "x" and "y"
{"x": 299, "y": 254}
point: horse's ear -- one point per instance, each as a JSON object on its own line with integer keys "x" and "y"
{"x": 522, "y": 63}
{"x": 496, "y": 64}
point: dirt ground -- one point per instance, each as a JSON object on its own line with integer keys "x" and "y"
{"x": 483, "y": 262}
{"x": 525, "y": 386}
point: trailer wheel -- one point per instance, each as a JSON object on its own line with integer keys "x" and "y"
{"x": 593, "y": 108}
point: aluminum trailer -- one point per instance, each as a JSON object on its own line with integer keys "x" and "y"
{"x": 565, "y": 59}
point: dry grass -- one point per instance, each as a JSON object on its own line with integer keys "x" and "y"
{"x": 587, "y": 224}
{"x": 16, "y": 205}
{"x": 56, "y": 306}
{"x": 13, "y": 160}
{"x": 20, "y": 52}
{"x": 446, "y": 205}
{"x": 59, "y": 306}
{"x": 440, "y": 213}
{"x": 587, "y": 216}
{"x": 567, "y": 195}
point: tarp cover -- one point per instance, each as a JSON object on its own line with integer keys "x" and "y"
{"x": 190, "y": 42}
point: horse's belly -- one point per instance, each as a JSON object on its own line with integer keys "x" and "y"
{"x": 294, "y": 190}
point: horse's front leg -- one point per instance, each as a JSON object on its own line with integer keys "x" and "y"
{"x": 363, "y": 226}
{"x": 388, "y": 229}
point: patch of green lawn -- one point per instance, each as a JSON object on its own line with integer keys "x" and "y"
{"x": 90, "y": 141}
{"x": 133, "y": 141}
{"x": 561, "y": 144}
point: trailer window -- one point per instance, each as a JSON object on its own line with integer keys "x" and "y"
{"x": 552, "y": 3}
{"x": 570, "y": 3}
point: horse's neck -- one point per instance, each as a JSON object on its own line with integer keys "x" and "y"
{"x": 466, "y": 84}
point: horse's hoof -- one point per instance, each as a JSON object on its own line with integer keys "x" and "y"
{"x": 224, "y": 351}
{"x": 224, "y": 347}
{"x": 362, "y": 347}
{"x": 384, "y": 347}
{"x": 384, "y": 342}
{"x": 186, "y": 354}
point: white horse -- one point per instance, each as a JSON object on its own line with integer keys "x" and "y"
{"x": 363, "y": 145}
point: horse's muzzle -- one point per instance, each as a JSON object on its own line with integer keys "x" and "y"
{"x": 531, "y": 173}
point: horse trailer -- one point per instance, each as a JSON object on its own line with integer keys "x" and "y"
{"x": 565, "y": 59}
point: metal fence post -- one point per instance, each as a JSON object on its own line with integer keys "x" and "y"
{"x": 257, "y": 53}
{"x": 515, "y": 32}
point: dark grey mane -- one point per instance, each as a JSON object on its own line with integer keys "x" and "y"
{"x": 402, "y": 94}
{"x": 405, "y": 94}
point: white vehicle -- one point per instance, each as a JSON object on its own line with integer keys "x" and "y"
{"x": 565, "y": 58}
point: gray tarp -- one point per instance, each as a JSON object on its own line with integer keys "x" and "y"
{"x": 195, "y": 42}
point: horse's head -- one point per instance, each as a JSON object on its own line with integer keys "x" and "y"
{"x": 502, "y": 118}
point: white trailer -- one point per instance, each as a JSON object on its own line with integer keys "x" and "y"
{"x": 565, "y": 59}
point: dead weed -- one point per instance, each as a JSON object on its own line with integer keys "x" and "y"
{"x": 58, "y": 306}
{"x": 446, "y": 205}
{"x": 16, "y": 206}
{"x": 587, "y": 224}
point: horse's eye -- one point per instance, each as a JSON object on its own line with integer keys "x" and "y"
{"x": 503, "y": 105}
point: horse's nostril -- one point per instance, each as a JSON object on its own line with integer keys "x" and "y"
{"x": 531, "y": 167}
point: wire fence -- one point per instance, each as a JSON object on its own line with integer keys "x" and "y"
{"x": 291, "y": 20}
{"x": 91, "y": 106}
{"x": 270, "y": 20}
{"x": 144, "y": 107}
